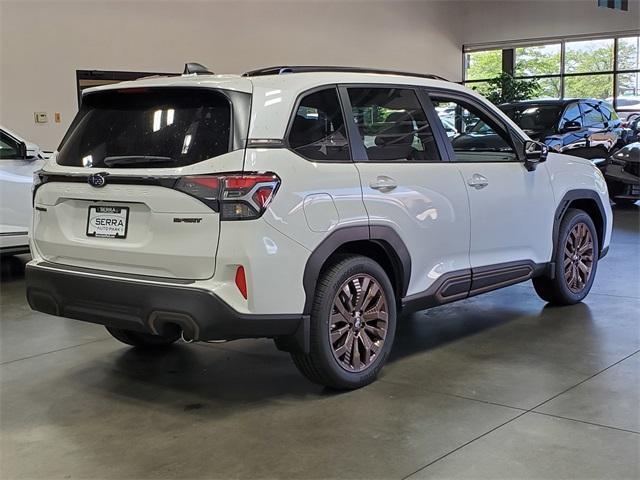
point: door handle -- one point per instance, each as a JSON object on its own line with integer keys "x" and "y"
{"x": 478, "y": 181}
{"x": 383, "y": 184}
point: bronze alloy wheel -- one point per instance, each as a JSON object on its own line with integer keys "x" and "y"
{"x": 578, "y": 257}
{"x": 358, "y": 323}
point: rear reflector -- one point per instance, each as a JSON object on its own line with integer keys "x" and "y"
{"x": 241, "y": 281}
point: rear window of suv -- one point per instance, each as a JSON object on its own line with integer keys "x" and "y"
{"x": 148, "y": 127}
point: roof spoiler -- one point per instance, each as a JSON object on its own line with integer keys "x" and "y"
{"x": 196, "y": 68}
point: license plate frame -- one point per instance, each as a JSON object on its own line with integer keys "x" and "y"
{"x": 112, "y": 212}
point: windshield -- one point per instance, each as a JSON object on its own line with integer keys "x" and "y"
{"x": 147, "y": 127}
{"x": 534, "y": 117}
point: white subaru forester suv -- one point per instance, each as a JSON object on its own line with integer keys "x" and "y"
{"x": 311, "y": 205}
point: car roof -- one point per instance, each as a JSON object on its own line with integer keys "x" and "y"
{"x": 292, "y": 78}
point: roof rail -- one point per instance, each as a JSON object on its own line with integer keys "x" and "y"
{"x": 280, "y": 70}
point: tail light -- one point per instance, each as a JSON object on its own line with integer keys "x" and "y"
{"x": 235, "y": 196}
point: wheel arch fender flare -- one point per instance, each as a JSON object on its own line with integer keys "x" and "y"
{"x": 381, "y": 235}
{"x": 581, "y": 195}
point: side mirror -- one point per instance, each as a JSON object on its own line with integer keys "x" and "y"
{"x": 534, "y": 153}
{"x": 571, "y": 126}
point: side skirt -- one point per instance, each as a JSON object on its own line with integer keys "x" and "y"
{"x": 467, "y": 283}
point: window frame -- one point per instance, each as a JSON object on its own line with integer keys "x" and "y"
{"x": 509, "y": 54}
{"x": 292, "y": 116}
{"x": 517, "y": 141}
{"x": 359, "y": 151}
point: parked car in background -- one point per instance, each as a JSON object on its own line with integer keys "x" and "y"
{"x": 622, "y": 173}
{"x": 19, "y": 159}
{"x": 585, "y": 128}
{"x": 631, "y": 125}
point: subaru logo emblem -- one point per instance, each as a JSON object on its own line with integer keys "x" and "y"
{"x": 97, "y": 180}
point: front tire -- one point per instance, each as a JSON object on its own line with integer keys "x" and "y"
{"x": 144, "y": 340}
{"x": 353, "y": 324}
{"x": 576, "y": 261}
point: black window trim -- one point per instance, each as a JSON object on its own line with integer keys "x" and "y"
{"x": 517, "y": 140}
{"x": 358, "y": 149}
{"x": 292, "y": 116}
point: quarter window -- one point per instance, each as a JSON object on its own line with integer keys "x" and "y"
{"x": 474, "y": 135}
{"x": 393, "y": 125}
{"x": 318, "y": 130}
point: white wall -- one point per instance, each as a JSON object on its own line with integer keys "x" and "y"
{"x": 43, "y": 43}
{"x": 485, "y": 21}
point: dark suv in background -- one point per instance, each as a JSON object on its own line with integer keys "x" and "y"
{"x": 585, "y": 128}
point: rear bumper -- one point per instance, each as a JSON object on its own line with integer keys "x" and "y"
{"x": 148, "y": 307}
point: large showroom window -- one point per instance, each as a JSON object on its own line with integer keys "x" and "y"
{"x": 602, "y": 68}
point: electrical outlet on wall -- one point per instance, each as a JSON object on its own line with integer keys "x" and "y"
{"x": 41, "y": 117}
{"x": 56, "y": 117}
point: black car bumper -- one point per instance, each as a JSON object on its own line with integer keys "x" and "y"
{"x": 622, "y": 183}
{"x": 149, "y": 307}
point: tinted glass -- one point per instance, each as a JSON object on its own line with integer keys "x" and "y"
{"x": 318, "y": 130}
{"x": 392, "y": 125}
{"x": 532, "y": 117}
{"x": 8, "y": 147}
{"x": 592, "y": 115}
{"x": 474, "y": 136}
{"x": 571, "y": 114}
{"x": 164, "y": 127}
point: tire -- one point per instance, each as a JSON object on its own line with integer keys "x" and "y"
{"x": 330, "y": 363}
{"x": 144, "y": 340}
{"x": 570, "y": 282}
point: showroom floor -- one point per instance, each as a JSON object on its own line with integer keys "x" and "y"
{"x": 499, "y": 386}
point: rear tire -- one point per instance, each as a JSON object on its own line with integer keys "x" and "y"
{"x": 144, "y": 340}
{"x": 576, "y": 261}
{"x": 352, "y": 326}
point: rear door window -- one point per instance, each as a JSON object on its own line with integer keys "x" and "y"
{"x": 392, "y": 124}
{"x": 145, "y": 128}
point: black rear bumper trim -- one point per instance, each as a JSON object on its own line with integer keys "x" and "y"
{"x": 146, "y": 307}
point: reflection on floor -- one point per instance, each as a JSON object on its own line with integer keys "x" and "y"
{"x": 499, "y": 386}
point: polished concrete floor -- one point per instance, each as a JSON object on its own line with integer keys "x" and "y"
{"x": 499, "y": 386}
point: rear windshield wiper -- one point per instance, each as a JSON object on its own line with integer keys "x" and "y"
{"x": 135, "y": 160}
